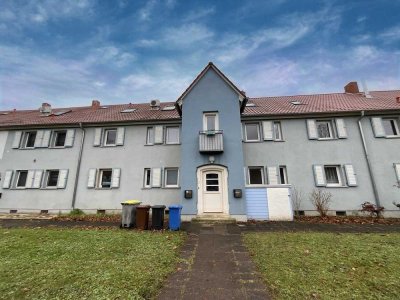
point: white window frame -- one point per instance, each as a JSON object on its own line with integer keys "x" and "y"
{"x": 262, "y": 176}
{"x": 279, "y": 128}
{"x": 25, "y": 139}
{"x": 339, "y": 175}
{"x": 100, "y": 177}
{"x": 285, "y": 176}
{"x": 330, "y": 127}
{"x": 166, "y": 135}
{"x": 17, "y": 179}
{"x": 258, "y": 132}
{"x": 147, "y": 171}
{"x": 54, "y": 138}
{"x": 208, "y": 114}
{"x": 106, "y": 132}
{"x": 46, "y": 179}
{"x": 166, "y": 175}
{"x": 396, "y": 127}
{"x": 148, "y": 142}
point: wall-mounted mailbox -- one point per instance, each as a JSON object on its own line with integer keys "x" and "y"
{"x": 237, "y": 193}
{"x": 188, "y": 194}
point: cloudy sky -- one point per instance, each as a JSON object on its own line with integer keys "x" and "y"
{"x": 72, "y": 51}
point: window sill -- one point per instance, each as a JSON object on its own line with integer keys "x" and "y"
{"x": 172, "y": 187}
{"x": 392, "y": 136}
{"x": 252, "y": 141}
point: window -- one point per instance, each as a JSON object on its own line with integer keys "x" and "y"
{"x": 332, "y": 175}
{"x": 210, "y": 122}
{"x": 105, "y": 177}
{"x": 252, "y": 132}
{"x": 59, "y": 138}
{"x": 21, "y": 179}
{"x": 277, "y": 131}
{"x": 171, "y": 177}
{"x": 256, "y": 175}
{"x": 172, "y": 135}
{"x": 324, "y": 129}
{"x": 52, "y": 178}
{"x": 147, "y": 178}
{"x": 150, "y": 136}
{"x": 283, "y": 179}
{"x": 110, "y": 137}
{"x": 212, "y": 182}
{"x": 29, "y": 139}
{"x": 390, "y": 126}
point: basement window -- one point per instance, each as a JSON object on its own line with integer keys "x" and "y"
{"x": 341, "y": 213}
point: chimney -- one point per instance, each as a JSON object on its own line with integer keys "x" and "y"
{"x": 95, "y": 103}
{"x": 398, "y": 99}
{"x": 45, "y": 108}
{"x": 351, "y": 88}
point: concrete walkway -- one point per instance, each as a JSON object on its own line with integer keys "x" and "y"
{"x": 216, "y": 266}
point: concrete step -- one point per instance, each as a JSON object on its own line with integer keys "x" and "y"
{"x": 214, "y": 219}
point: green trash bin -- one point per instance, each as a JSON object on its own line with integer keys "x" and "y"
{"x": 128, "y": 218}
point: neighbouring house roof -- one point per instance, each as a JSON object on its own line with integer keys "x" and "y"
{"x": 263, "y": 106}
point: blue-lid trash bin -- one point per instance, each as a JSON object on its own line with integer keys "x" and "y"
{"x": 175, "y": 217}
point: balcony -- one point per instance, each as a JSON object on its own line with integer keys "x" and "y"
{"x": 211, "y": 141}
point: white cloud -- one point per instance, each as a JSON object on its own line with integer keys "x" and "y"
{"x": 391, "y": 35}
{"x": 110, "y": 55}
{"x": 187, "y": 35}
{"x": 146, "y": 11}
{"x": 199, "y": 14}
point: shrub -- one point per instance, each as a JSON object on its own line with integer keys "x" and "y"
{"x": 297, "y": 198}
{"x": 76, "y": 212}
{"x": 372, "y": 209}
{"x": 321, "y": 200}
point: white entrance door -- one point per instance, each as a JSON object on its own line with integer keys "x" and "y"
{"x": 212, "y": 192}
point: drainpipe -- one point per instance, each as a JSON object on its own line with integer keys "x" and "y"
{"x": 371, "y": 174}
{"x": 78, "y": 167}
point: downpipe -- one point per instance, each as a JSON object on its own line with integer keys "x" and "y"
{"x": 78, "y": 167}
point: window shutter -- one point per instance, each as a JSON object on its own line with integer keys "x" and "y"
{"x": 341, "y": 129}
{"x": 158, "y": 134}
{"x": 268, "y": 130}
{"x": 46, "y": 139}
{"x": 350, "y": 175}
{"x": 17, "y": 139}
{"x": 156, "y": 177}
{"x": 62, "y": 179}
{"x": 69, "y": 140}
{"x": 377, "y": 127}
{"x": 116, "y": 175}
{"x": 39, "y": 138}
{"x": 37, "y": 180}
{"x": 397, "y": 170}
{"x": 97, "y": 137}
{"x": 120, "y": 135}
{"x": 92, "y": 178}
{"x": 29, "y": 179}
{"x": 7, "y": 179}
{"x": 272, "y": 175}
{"x": 312, "y": 129}
{"x": 319, "y": 175}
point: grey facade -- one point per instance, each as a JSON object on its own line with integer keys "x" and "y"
{"x": 208, "y": 162}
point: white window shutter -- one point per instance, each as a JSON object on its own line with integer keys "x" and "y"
{"x": 272, "y": 173}
{"x": 120, "y": 135}
{"x": 268, "y": 130}
{"x": 158, "y": 134}
{"x": 312, "y": 129}
{"x": 156, "y": 177}
{"x": 29, "y": 179}
{"x": 350, "y": 175}
{"x": 341, "y": 129}
{"x": 91, "y": 178}
{"x": 97, "y": 137}
{"x": 397, "y": 170}
{"x": 377, "y": 127}
{"x": 7, "y": 179}
{"x": 62, "y": 179}
{"x": 46, "y": 139}
{"x": 116, "y": 175}
{"x": 39, "y": 138}
{"x": 69, "y": 140}
{"x": 319, "y": 175}
{"x": 17, "y": 139}
{"x": 37, "y": 180}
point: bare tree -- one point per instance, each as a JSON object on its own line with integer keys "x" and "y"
{"x": 297, "y": 198}
{"x": 321, "y": 200}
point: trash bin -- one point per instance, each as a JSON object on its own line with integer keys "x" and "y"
{"x": 157, "y": 217}
{"x": 142, "y": 217}
{"x": 175, "y": 217}
{"x": 129, "y": 213}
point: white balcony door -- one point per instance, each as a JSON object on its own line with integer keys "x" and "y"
{"x": 210, "y": 121}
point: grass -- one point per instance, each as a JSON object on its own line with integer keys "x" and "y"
{"x": 85, "y": 264}
{"x": 328, "y": 265}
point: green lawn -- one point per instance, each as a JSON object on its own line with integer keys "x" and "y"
{"x": 328, "y": 265}
{"x": 80, "y": 264}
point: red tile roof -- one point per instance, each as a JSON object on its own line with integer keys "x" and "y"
{"x": 268, "y": 106}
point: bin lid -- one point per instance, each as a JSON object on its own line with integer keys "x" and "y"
{"x": 175, "y": 206}
{"x": 143, "y": 206}
{"x": 158, "y": 206}
{"x": 131, "y": 202}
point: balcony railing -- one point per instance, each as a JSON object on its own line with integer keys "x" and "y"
{"x": 211, "y": 141}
